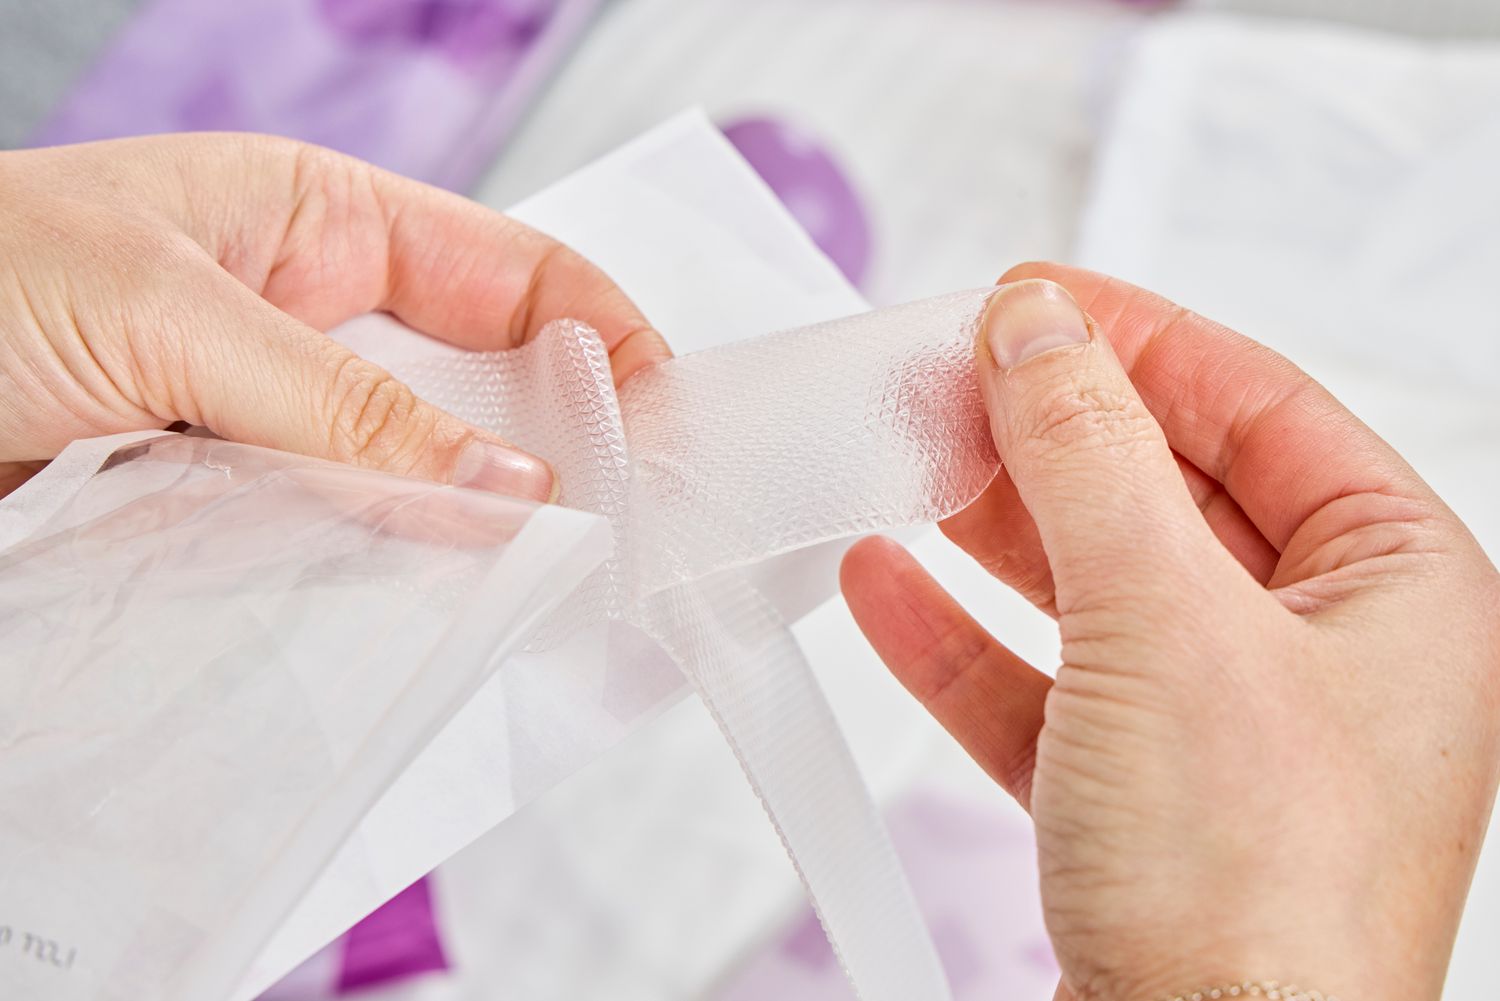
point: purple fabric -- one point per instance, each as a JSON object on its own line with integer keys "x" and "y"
{"x": 399, "y": 940}
{"x": 812, "y": 187}
{"x": 469, "y": 33}
{"x": 427, "y": 88}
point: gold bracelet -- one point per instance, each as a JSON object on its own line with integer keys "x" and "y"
{"x": 1268, "y": 989}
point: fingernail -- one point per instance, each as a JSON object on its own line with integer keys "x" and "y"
{"x": 502, "y": 469}
{"x": 1030, "y": 318}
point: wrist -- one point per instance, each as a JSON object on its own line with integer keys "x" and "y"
{"x": 1370, "y": 945}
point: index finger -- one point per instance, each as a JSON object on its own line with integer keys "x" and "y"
{"x": 326, "y": 237}
{"x": 445, "y": 276}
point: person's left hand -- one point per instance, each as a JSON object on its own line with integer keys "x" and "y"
{"x": 190, "y": 278}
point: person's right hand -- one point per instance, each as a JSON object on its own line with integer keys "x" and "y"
{"x": 1272, "y": 747}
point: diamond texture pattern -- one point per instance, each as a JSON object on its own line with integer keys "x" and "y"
{"x": 709, "y": 463}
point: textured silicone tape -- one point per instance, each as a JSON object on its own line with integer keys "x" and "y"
{"x": 712, "y": 462}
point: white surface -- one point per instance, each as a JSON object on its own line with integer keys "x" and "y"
{"x": 1332, "y": 194}
{"x": 967, "y": 126}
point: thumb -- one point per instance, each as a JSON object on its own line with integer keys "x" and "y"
{"x": 279, "y": 383}
{"x": 1089, "y": 461}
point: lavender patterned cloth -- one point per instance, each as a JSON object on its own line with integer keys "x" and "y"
{"x": 427, "y": 88}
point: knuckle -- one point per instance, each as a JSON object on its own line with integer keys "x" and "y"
{"x": 1027, "y": 576}
{"x": 375, "y": 419}
{"x": 334, "y": 216}
{"x": 956, "y": 656}
{"x": 1016, "y": 774}
{"x": 321, "y": 182}
{"x": 301, "y": 159}
{"x": 159, "y": 275}
{"x": 559, "y": 265}
{"x": 321, "y": 172}
{"x": 1080, "y": 418}
{"x": 150, "y": 251}
{"x": 259, "y": 146}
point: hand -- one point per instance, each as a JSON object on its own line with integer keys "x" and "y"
{"x": 188, "y": 278}
{"x": 1271, "y": 749}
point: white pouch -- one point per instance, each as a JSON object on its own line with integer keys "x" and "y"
{"x": 214, "y": 658}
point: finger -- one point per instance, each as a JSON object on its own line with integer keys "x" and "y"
{"x": 989, "y": 699}
{"x": 997, "y": 531}
{"x": 321, "y": 497}
{"x": 482, "y": 294}
{"x": 272, "y": 380}
{"x": 327, "y": 237}
{"x": 1281, "y": 445}
{"x": 1088, "y": 460}
{"x": 1229, "y": 523}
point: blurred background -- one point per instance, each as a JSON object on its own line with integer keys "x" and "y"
{"x": 1319, "y": 174}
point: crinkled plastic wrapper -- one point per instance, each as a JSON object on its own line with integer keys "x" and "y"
{"x": 215, "y": 658}
{"x": 706, "y": 469}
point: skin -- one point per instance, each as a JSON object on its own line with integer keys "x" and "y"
{"x": 1272, "y": 746}
{"x": 191, "y": 277}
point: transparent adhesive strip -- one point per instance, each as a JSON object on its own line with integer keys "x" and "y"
{"x": 713, "y": 462}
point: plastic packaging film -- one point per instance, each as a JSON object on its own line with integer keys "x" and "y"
{"x": 215, "y": 659}
{"x": 709, "y": 463}
{"x": 244, "y": 648}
